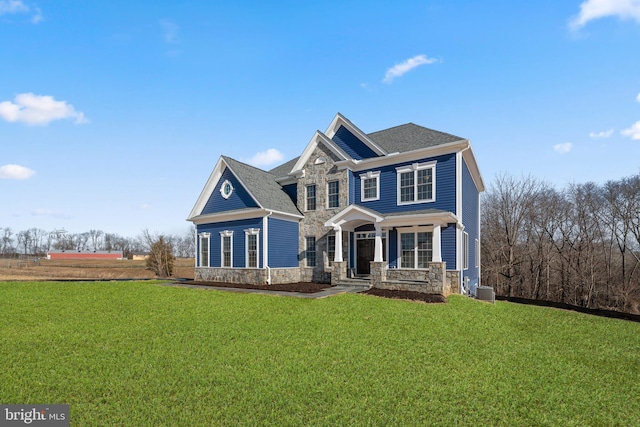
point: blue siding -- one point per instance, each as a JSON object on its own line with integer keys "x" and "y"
{"x": 239, "y": 240}
{"x": 351, "y": 145}
{"x": 292, "y": 191}
{"x": 283, "y": 243}
{"x": 448, "y": 239}
{"x": 470, "y": 215}
{"x": 352, "y": 186}
{"x": 239, "y": 199}
{"x": 388, "y": 203}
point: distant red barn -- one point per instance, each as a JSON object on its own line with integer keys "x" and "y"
{"x": 57, "y": 254}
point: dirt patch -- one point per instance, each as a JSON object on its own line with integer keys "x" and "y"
{"x": 407, "y": 295}
{"x": 43, "y": 269}
{"x": 302, "y": 287}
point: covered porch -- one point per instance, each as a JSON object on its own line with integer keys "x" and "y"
{"x": 401, "y": 250}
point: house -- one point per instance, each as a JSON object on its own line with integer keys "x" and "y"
{"x": 399, "y": 208}
{"x": 74, "y": 254}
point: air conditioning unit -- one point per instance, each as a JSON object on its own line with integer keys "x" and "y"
{"x": 485, "y": 293}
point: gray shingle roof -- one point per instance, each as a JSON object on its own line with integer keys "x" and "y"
{"x": 409, "y": 137}
{"x": 284, "y": 169}
{"x": 262, "y": 185}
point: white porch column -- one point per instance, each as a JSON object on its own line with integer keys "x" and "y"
{"x": 377, "y": 254}
{"x": 437, "y": 244}
{"x": 338, "y": 233}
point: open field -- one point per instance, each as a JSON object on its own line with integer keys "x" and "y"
{"x": 43, "y": 269}
{"x": 141, "y": 353}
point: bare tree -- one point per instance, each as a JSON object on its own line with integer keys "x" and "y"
{"x": 96, "y": 239}
{"x": 6, "y": 241}
{"x": 160, "y": 259}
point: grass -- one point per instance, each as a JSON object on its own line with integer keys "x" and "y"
{"x": 139, "y": 353}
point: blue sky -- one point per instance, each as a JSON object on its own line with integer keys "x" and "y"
{"x": 113, "y": 114}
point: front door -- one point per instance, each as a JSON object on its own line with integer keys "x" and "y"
{"x": 365, "y": 251}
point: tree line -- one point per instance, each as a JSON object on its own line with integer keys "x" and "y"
{"x": 579, "y": 245}
{"x": 37, "y": 242}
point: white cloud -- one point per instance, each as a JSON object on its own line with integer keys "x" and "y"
{"x": 633, "y": 132}
{"x": 17, "y": 6}
{"x": 603, "y": 134}
{"x": 638, "y": 98}
{"x": 15, "y": 172}
{"x": 563, "y": 148}
{"x": 37, "y": 18}
{"x": 38, "y": 110}
{"x": 406, "y": 66}
{"x": 49, "y": 212}
{"x": 170, "y": 30}
{"x": 12, "y": 6}
{"x": 266, "y": 158}
{"x": 596, "y": 9}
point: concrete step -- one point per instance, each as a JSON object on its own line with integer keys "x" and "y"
{"x": 355, "y": 283}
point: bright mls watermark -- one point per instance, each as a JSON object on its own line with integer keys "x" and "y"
{"x": 34, "y": 415}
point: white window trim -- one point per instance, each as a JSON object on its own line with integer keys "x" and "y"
{"x": 223, "y": 234}
{"x": 247, "y": 233}
{"x": 328, "y": 198}
{"x": 415, "y": 167}
{"x": 208, "y": 237}
{"x": 224, "y": 184}
{"x": 306, "y": 197}
{"x": 363, "y": 178}
{"x": 413, "y": 230}
{"x": 465, "y": 250}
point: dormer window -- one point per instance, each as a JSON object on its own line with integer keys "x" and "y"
{"x": 226, "y": 189}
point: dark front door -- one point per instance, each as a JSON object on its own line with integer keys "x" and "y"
{"x": 365, "y": 253}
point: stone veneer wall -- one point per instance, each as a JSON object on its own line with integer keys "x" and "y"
{"x": 252, "y": 276}
{"x": 426, "y": 288}
{"x": 453, "y": 280}
{"x": 313, "y": 222}
{"x": 435, "y": 280}
{"x": 285, "y": 275}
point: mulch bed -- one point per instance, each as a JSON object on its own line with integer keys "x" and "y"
{"x": 408, "y": 295}
{"x": 302, "y": 287}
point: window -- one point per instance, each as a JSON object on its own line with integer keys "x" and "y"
{"x": 331, "y": 248}
{"x": 310, "y": 253}
{"x": 333, "y": 194}
{"x": 311, "y": 197}
{"x": 370, "y": 186}
{"x": 227, "y": 248}
{"x": 226, "y": 189}
{"x": 416, "y": 183}
{"x": 465, "y": 250}
{"x": 251, "y": 245}
{"x": 477, "y": 253}
{"x": 416, "y": 249}
{"x": 204, "y": 250}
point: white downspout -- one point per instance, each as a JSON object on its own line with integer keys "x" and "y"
{"x": 265, "y": 245}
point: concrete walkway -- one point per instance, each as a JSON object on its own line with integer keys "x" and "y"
{"x": 336, "y": 290}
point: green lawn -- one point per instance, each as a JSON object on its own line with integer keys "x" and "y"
{"x": 140, "y": 353}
